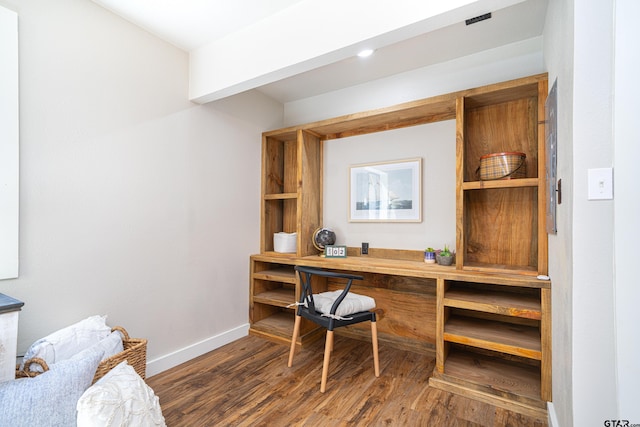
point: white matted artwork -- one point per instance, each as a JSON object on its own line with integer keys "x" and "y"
{"x": 386, "y": 191}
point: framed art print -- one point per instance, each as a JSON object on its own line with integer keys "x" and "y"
{"x": 386, "y": 191}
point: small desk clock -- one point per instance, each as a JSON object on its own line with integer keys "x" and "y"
{"x": 333, "y": 251}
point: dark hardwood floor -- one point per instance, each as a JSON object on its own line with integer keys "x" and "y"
{"x": 248, "y": 383}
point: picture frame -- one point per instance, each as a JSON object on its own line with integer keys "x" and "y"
{"x": 386, "y": 191}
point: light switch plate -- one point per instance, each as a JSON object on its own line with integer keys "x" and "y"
{"x": 600, "y": 184}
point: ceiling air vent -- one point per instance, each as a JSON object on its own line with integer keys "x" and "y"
{"x": 478, "y": 18}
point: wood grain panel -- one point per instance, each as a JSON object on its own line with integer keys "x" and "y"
{"x": 543, "y": 199}
{"x": 497, "y": 128}
{"x": 441, "y": 316}
{"x": 509, "y": 301}
{"x": 278, "y": 326}
{"x": 309, "y": 215}
{"x": 415, "y": 269}
{"x": 272, "y": 211}
{"x": 405, "y": 284}
{"x": 496, "y": 336}
{"x": 259, "y": 312}
{"x": 274, "y": 272}
{"x": 273, "y": 161}
{"x": 289, "y": 209}
{"x": 279, "y": 297}
{"x": 412, "y": 113}
{"x": 506, "y": 319}
{"x": 407, "y": 315}
{"x": 290, "y": 167}
{"x": 503, "y": 227}
{"x": 461, "y": 240}
{"x": 504, "y": 92}
{"x": 545, "y": 332}
{"x": 502, "y": 377}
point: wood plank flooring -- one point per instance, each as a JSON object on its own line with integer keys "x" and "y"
{"x": 248, "y": 383}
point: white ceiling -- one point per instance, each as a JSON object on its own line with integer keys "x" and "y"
{"x": 191, "y": 24}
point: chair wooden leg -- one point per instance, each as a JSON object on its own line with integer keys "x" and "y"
{"x": 374, "y": 341}
{"x": 294, "y": 338}
{"x": 325, "y": 365}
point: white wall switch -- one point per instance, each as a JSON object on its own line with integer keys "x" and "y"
{"x": 600, "y": 184}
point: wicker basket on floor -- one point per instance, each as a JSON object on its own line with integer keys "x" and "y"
{"x": 135, "y": 353}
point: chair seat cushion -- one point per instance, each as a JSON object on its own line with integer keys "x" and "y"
{"x": 352, "y": 303}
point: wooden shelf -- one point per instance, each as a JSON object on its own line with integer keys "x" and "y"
{"x": 282, "y": 274}
{"x": 518, "y": 340}
{"x": 279, "y": 327}
{"x": 280, "y": 196}
{"x": 512, "y": 90}
{"x": 496, "y": 373}
{"x": 495, "y": 301}
{"x": 500, "y": 268}
{"x": 279, "y": 324}
{"x": 281, "y": 297}
{"x": 493, "y": 380}
{"x": 501, "y": 229}
{"x": 501, "y": 183}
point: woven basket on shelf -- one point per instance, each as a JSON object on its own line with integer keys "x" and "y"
{"x": 135, "y": 353}
{"x": 503, "y": 166}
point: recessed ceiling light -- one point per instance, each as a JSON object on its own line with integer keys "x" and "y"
{"x": 364, "y": 53}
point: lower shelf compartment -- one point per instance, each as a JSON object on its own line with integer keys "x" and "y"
{"x": 280, "y": 297}
{"x": 508, "y": 338}
{"x": 504, "y": 383}
{"x": 279, "y": 327}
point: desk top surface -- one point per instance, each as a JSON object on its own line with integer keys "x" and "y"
{"x": 400, "y": 267}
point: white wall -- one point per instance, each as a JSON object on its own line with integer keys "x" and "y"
{"x": 8, "y": 144}
{"x": 558, "y": 53}
{"x": 435, "y": 144}
{"x": 593, "y": 220}
{"x": 627, "y": 206}
{"x": 590, "y": 46}
{"x": 134, "y": 202}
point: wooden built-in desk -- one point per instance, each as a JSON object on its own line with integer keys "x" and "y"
{"x": 487, "y": 320}
{"x": 489, "y": 332}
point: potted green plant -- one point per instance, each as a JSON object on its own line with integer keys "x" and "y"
{"x": 445, "y": 256}
{"x": 430, "y": 256}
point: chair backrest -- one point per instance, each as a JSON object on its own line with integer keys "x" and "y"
{"x": 306, "y": 273}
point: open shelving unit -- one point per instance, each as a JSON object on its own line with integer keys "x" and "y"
{"x": 500, "y": 221}
{"x": 291, "y": 188}
{"x": 494, "y": 341}
{"x": 274, "y": 290}
{"x": 492, "y": 315}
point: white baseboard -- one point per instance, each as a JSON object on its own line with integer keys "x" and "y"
{"x": 185, "y": 354}
{"x": 551, "y": 415}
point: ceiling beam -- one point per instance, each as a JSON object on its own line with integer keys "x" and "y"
{"x": 312, "y": 34}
